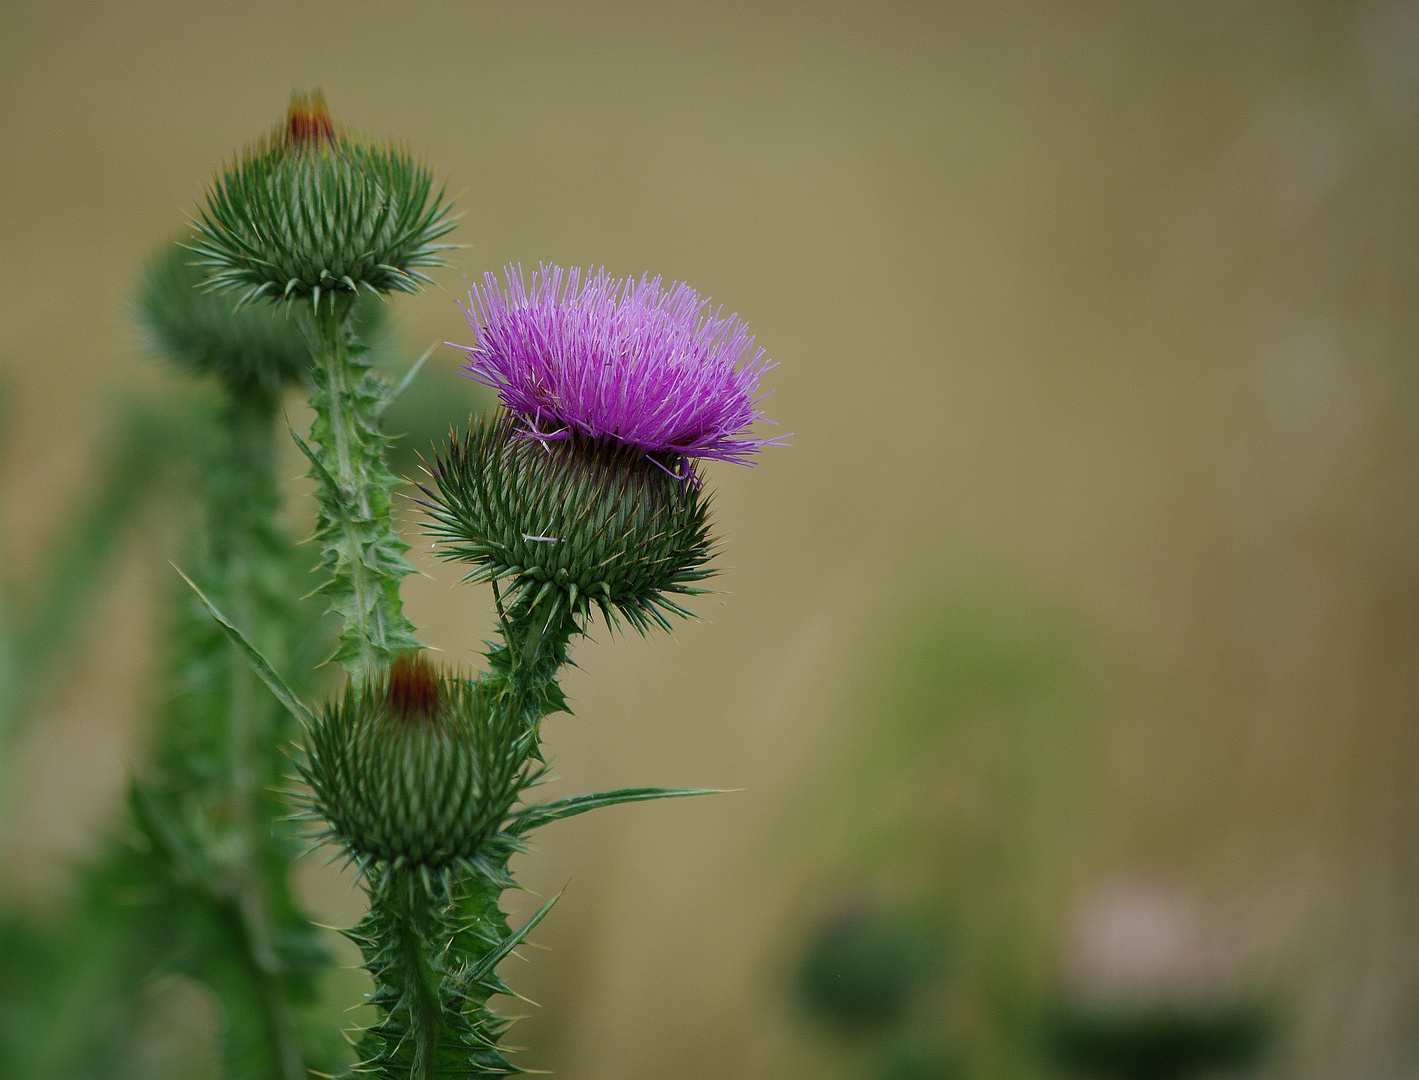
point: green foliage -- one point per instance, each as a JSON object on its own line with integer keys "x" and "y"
{"x": 578, "y": 520}
{"x": 534, "y": 817}
{"x": 250, "y": 348}
{"x": 301, "y": 218}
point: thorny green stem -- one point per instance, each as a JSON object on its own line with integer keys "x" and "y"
{"x": 433, "y": 950}
{"x": 334, "y": 364}
{"x": 419, "y": 945}
{"x": 416, "y": 942}
{"x": 424, "y": 1005}
{"x": 362, "y": 549}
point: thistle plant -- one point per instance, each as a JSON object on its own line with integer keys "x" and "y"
{"x": 309, "y": 217}
{"x": 562, "y": 516}
{"x": 582, "y": 497}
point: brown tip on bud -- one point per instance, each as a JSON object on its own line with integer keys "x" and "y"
{"x": 308, "y": 121}
{"x": 413, "y": 688}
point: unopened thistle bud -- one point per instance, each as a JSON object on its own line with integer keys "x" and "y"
{"x": 589, "y": 521}
{"x": 413, "y": 770}
{"x": 313, "y": 212}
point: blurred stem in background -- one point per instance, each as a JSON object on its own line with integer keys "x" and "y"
{"x": 40, "y": 624}
{"x": 199, "y": 881}
{"x": 212, "y": 824}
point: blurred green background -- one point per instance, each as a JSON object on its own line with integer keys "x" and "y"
{"x": 1079, "y": 625}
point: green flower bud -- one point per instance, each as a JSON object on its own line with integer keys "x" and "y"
{"x": 585, "y": 520}
{"x": 312, "y": 212}
{"x": 202, "y": 332}
{"x": 414, "y": 770}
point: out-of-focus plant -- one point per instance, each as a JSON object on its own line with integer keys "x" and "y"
{"x": 197, "y": 880}
{"x": 64, "y": 1006}
{"x": 866, "y": 977}
{"x": 973, "y": 735}
{"x": 862, "y": 970}
{"x": 1153, "y": 992}
{"x": 1160, "y": 1041}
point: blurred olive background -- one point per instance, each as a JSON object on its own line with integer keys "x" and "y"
{"x": 1089, "y": 586}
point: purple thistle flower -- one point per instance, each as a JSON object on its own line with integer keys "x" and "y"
{"x": 618, "y": 359}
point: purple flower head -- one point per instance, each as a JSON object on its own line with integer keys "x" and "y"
{"x": 618, "y": 359}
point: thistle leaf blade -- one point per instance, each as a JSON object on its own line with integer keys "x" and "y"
{"x": 493, "y": 959}
{"x": 259, "y": 664}
{"x": 534, "y": 817}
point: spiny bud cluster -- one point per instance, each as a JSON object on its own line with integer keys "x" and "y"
{"x": 587, "y": 521}
{"x": 312, "y": 212}
{"x": 417, "y": 769}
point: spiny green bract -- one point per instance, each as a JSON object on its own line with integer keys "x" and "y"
{"x": 417, "y": 770}
{"x": 203, "y": 333}
{"x": 582, "y": 520}
{"x": 310, "y": 213}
